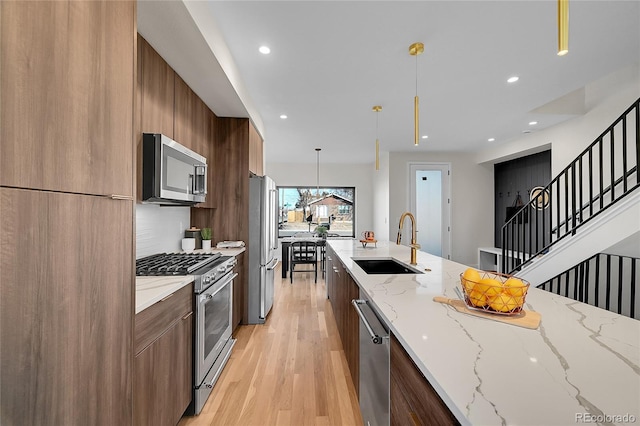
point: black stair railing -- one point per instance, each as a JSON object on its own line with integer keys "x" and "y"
{"x": 607, "y": 281}
{"x": 601, "y": 175}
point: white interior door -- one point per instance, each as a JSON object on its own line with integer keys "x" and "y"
{"x": 430, "y": 200}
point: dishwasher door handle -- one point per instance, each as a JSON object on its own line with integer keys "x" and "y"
{"x": 374, "y": 337}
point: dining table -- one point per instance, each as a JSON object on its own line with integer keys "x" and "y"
{"x": 286, "y": 243}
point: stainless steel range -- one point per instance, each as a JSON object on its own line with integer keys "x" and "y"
{"x": 213, "y": 287}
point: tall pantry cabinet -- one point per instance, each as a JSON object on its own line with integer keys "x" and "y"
{"x": 67, "y": 72}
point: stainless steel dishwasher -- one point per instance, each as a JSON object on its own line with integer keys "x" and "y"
{"x": 374, "y": 365}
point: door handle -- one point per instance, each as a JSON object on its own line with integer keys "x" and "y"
{"x": 275, "y": 263}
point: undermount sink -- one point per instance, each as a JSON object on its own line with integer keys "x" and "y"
{"x": 385, "y": 266}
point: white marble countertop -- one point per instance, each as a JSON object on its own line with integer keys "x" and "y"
{"x": 581, "y": 365}
{"x": 149, "y": 290}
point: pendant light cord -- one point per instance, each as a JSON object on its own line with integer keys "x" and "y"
{"x": 317, "y": 172}
{"x": 416, "y": 75}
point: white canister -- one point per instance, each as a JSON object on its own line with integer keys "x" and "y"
{"x": 206, "y": 244}
{"x": 188, "y": 244}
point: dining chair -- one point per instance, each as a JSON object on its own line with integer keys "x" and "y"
{"x": 303, "y": 252}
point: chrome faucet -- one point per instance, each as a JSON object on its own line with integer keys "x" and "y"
{"x": 414, "y": 245}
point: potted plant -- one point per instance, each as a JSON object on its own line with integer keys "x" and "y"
{"x": 321, "y": 231}
{"x": 206, "y": 238}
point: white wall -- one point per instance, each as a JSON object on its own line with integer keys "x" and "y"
{"x": 357, "y": 175}
{"x": 471, "y": 199}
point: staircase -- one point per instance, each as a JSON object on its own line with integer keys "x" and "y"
{"x": 589, "y": 206}
{"x": 607, "y": 281}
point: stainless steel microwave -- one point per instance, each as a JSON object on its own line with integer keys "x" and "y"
{"x": 171, "y": 173}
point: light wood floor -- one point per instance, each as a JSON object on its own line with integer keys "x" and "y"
{"x": 290, "y": 371}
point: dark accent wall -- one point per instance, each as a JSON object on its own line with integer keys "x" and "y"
{"x": 517, "y": 176}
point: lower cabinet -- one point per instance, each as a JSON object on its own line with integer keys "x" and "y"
{"x": 162, "y": 387}
{"x": 413, "y": 399}
{"x": 239, "y": 292}
{"x": 341, "y": 290}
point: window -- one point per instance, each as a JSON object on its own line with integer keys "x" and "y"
{"x": 303, "y": 208}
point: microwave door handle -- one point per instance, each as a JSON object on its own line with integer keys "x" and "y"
{"x": 190, "y": 184}
{"x": 204, "y": 180}
{"x": 197, "y": 189}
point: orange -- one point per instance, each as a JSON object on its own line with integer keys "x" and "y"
{"x": 515, "y": 287}
{"x": 489, "y": 287}
{"x": 503, "y": 302}
{"x": 469, "y": 278}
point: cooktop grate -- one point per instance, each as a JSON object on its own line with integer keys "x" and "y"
{"x": 173, "y": 263}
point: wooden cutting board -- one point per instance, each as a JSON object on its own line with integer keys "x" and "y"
{"x": 526, "y": 319}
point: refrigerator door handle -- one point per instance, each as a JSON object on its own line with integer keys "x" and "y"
{"x": 271, "y": 267}
{"x": 273, "y": 227}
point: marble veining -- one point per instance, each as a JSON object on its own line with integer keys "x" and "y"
{"x": 582, "y": 361}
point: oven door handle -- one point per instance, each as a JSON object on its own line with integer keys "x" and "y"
{"x": 226, "y": 281}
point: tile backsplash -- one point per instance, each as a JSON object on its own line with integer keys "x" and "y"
{"x": 160, "y": 229}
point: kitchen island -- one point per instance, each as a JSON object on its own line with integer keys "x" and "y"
{"x": 582, "y": 364}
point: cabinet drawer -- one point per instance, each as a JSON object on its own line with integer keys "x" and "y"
{"x": 157, "y": 318}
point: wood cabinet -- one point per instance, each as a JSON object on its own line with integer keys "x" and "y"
{"x": 67, "y": 91}
{"x": 255, "y": 152}
{"x": 193, "y": 129}
{"x": 156, "y": 81}
{"x": 67, "y": 260}
{"x": 239, "y": 291}
{"x": 341, "y": 290}
{"x": 413, "y": 399}
{"x": 190, "y": 118}
{"x": 163, "y": 376}
{"x": 66, "y": 319}
{"x": 230, "y": 192}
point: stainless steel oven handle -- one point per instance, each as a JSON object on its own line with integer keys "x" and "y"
{"x": 374, "y": 337}
{"x": 227, "y": 280}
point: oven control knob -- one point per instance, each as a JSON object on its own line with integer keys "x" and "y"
{"x": 222, "y": 269}
{"x": 207, "y": 279}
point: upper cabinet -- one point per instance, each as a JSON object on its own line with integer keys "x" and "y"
{"x": 255, "y": 152}
{"x": 184, "y": 115}
{"x": 67, "y": 96}
{"x": 156, "y": 91}
{"x": 194, "y": 128}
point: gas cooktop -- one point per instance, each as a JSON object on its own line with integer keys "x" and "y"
{"x": 174, "y": 263}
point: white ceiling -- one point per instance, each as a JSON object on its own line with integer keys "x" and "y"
{"x": 332, "y": 61}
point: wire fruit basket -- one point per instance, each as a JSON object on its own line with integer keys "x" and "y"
{"x": 493, "y": 292}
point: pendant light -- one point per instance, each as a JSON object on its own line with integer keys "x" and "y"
{"x": 563, "y": 27}
{"x": 414, "y": 50}
{"x": 377, "y": 109}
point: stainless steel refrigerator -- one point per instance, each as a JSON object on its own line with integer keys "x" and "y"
{"x": 263, "y": 244}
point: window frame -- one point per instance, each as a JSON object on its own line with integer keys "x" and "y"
{"x": 322, "y": 190}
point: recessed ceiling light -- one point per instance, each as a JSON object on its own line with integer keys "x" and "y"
{"x": 491, "y": 139}
{"x": 425, "y": 137}
{"x": 283, "y": 116}
{"x": 533, "y": 123}
{"x": 513, "y": 79}
{"x": 264, "y": 50}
